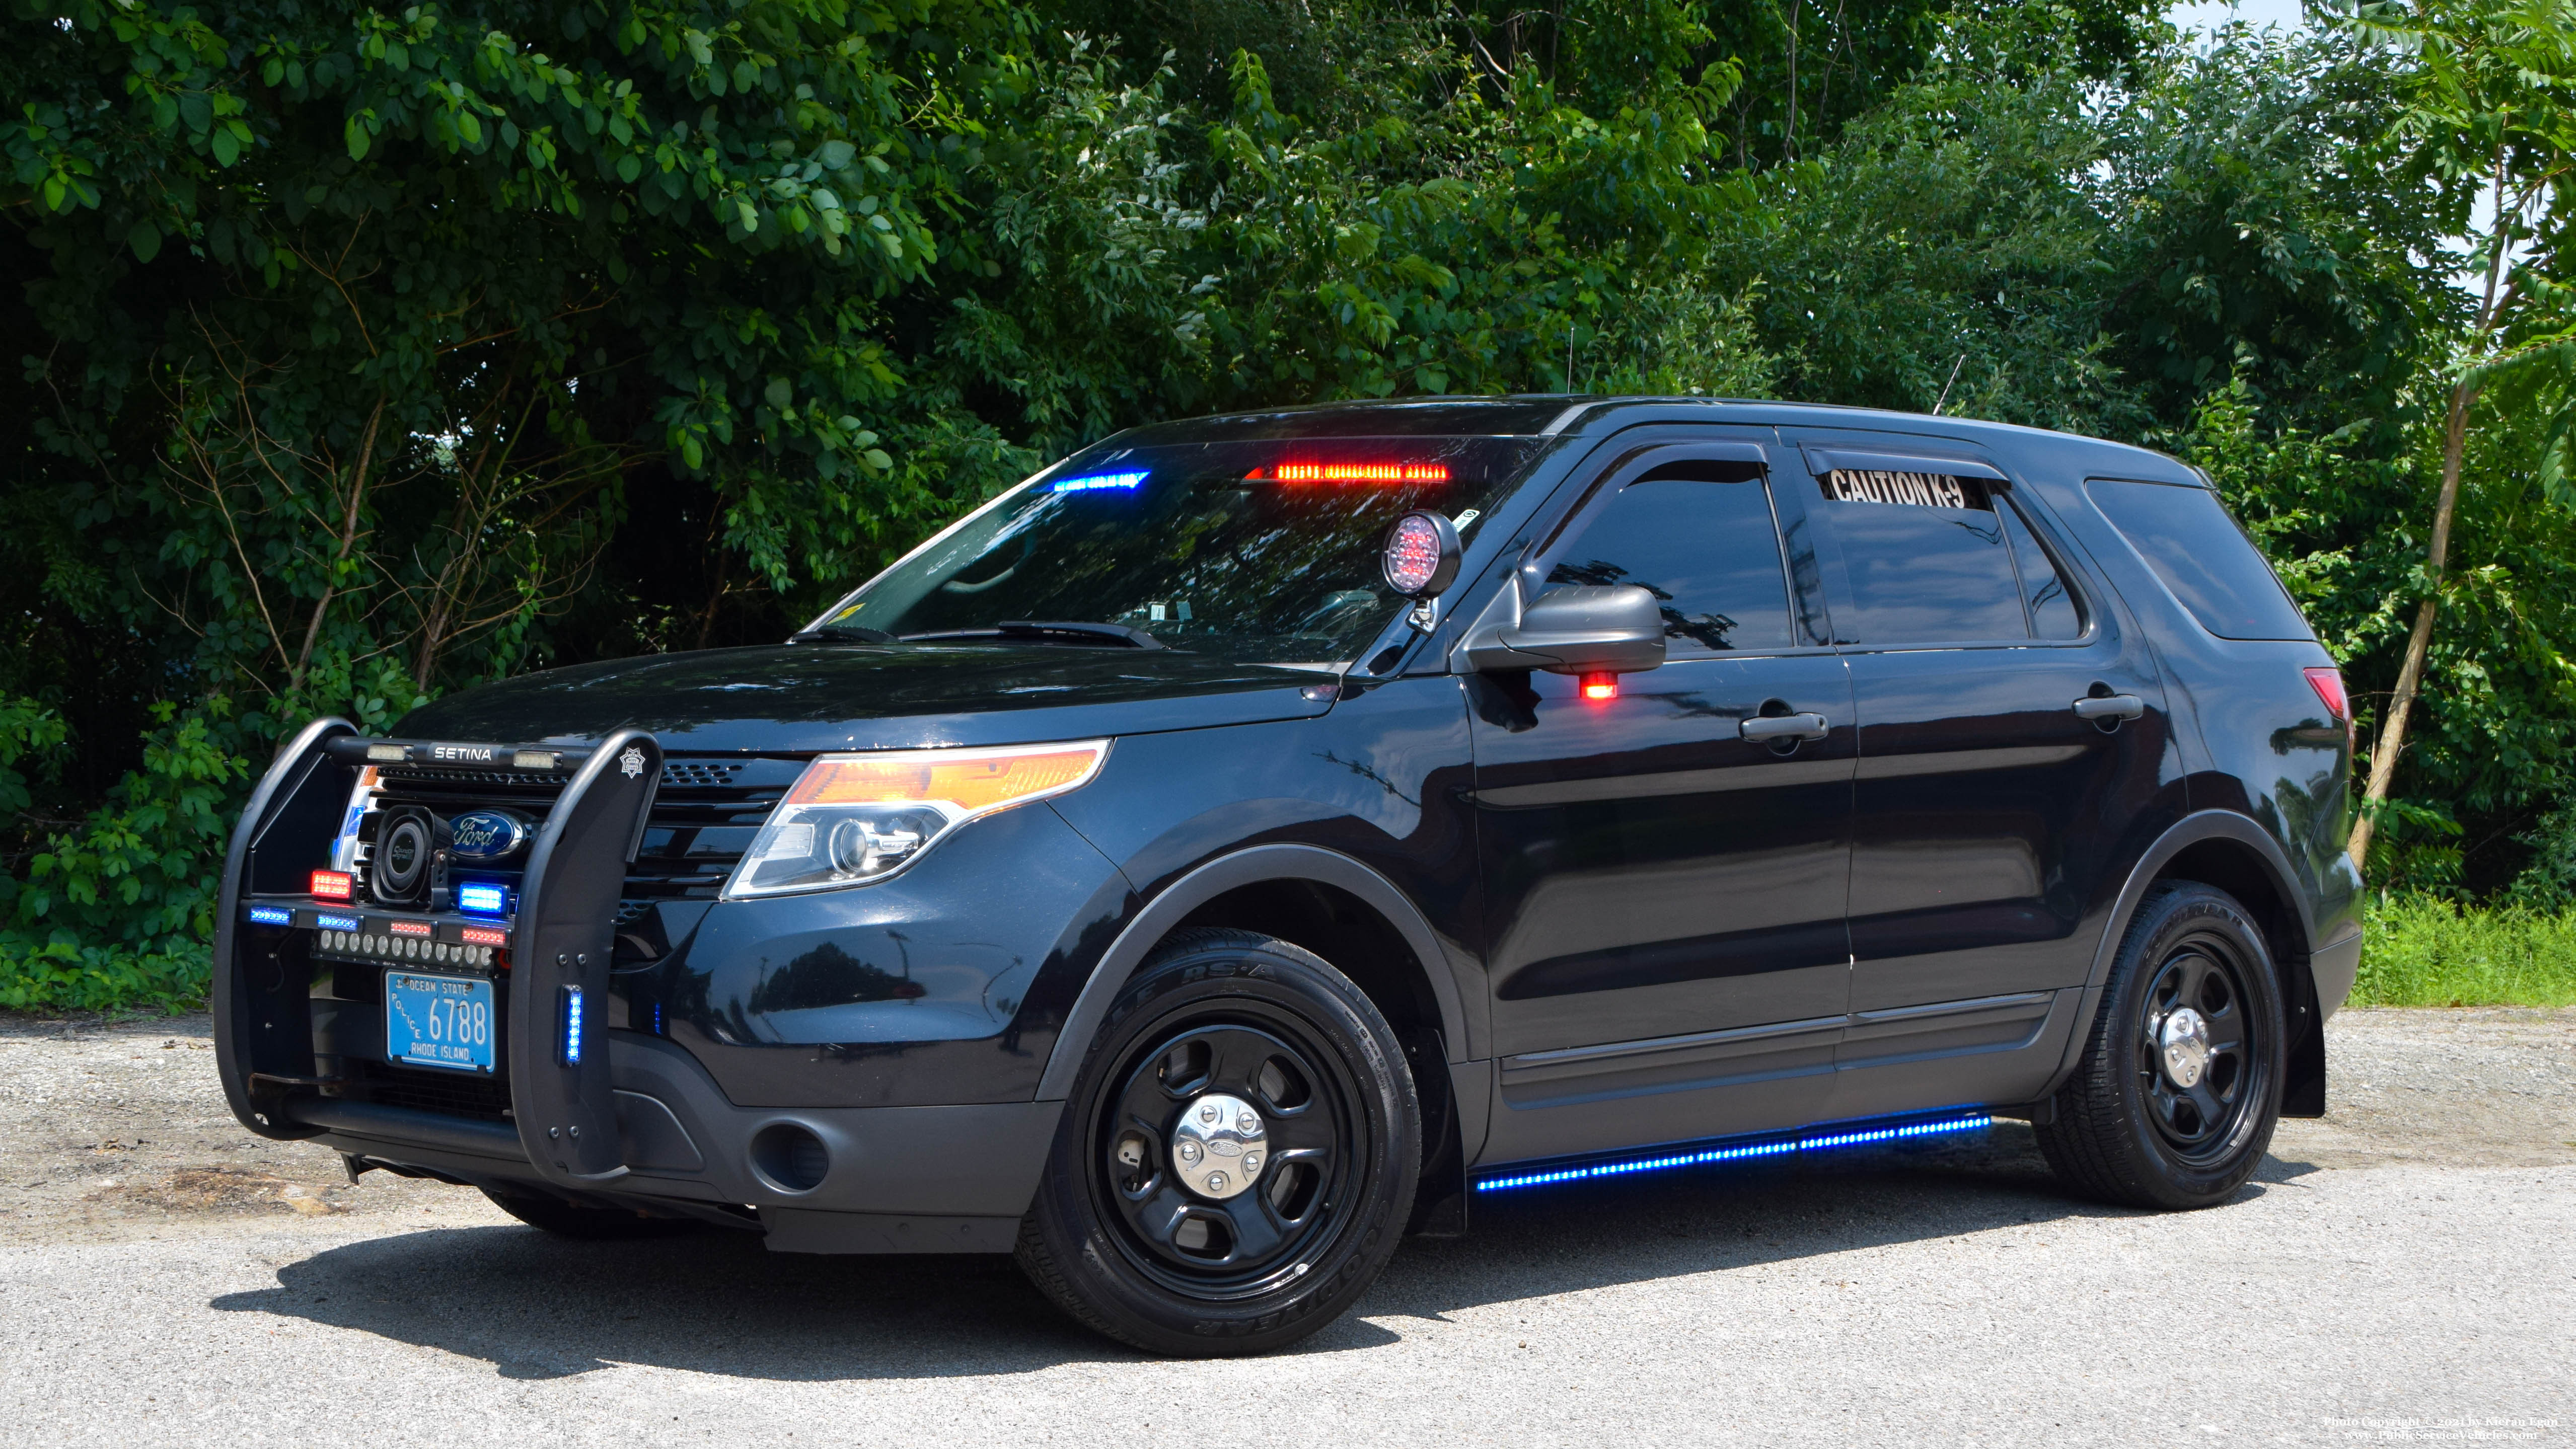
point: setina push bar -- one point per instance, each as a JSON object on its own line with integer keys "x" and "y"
{"x": 552, "y": 953}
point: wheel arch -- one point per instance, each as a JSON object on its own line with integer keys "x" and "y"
{"x": 1356, "y": 919}
{"x": 2226, "y": 850}
{"x": 1261, "y": 883}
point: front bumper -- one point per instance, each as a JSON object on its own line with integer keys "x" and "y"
{"x": 609, "y": 1116}
{"x": 895, "y": 1179}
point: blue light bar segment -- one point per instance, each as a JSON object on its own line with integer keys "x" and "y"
{"x": 272, "y": 916}
{"x": 336, "y": 923}
{"x": 1095, "y": 481}
{"x": 1778, "y": 1147}
{"x": 483, "y": 898}
{"x": 572, "y": 1026}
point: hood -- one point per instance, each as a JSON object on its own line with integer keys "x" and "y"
{"x": 809, "y": 698}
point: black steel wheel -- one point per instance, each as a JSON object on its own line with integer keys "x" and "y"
{"x": 1238, "y": 1157}
{"x": 2179, "y": 1088}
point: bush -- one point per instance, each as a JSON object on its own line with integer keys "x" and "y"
{"x": 2427, "y": 951}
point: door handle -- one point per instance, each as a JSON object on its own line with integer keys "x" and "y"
{"x": 1764, "y": 729}
{"x": 2118, "y": 706}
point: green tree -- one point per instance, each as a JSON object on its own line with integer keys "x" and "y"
{"x": 2489, "y": 117}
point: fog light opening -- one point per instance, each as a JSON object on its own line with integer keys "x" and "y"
{"x": 789, "y": 1157}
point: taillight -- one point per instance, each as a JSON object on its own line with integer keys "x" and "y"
{"x": 2327, "y": 681}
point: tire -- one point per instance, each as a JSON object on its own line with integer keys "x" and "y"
{"x": 2128, "y": 1128}
{"x": 595, "y": 1224}
{"x": 1133, "y": 1231}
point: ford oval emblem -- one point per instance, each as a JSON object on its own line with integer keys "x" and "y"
{"x": 489, "y": 835}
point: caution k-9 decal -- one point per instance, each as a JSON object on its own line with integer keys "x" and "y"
{"x": 1920, "y": 490}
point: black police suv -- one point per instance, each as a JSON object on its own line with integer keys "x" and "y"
{"x": 1256, "y": 838}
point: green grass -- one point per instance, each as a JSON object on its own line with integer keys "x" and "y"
{"x": 2424, "y": 951}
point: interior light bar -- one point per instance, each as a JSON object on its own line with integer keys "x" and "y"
{"x": 332, "y": 885}
{"x": 272, "y": 916}
{"x": 1353, "y": 473}
{"x": 1096, "y": 481}
{"x": 336, "y": 923}
{"x": 483, "y": 898}
{"x": 1817, "y": 1140}
{"x": 408, "y": 928}
{"x": 483, "y": 936}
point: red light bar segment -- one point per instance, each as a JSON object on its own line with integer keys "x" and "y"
{"x": 484, "y": 936}
{"x": 1353, "y": 473}
{"x": 408, "y": 928}
{"x": 332, "y": 885}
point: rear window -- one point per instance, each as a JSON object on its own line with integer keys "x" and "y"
{"x": 1926, "y": 560}
{"x": 2202, "y": 556}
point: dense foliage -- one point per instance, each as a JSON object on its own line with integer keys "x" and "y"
{"x": 368, "y": 352}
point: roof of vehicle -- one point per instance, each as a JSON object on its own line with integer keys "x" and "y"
{"x": 1559, "y": 414}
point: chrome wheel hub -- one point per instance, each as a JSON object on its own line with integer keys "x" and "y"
{"x": 2183, "y": 1046}
{"x": 1220, "y": 1145}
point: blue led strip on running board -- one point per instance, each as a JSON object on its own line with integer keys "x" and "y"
{"x": 1812, "y": 1140}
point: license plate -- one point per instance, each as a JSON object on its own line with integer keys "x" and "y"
{"x": 439, "y": 1021}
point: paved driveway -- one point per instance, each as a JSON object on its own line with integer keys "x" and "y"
{"x": 2403, "y": 1272}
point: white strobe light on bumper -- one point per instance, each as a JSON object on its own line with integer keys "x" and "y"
{"x": 852, "y": 819}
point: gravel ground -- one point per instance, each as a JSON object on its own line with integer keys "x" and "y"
{"x": 2403, "y": 1271}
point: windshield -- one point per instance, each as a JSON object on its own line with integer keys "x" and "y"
{"x": 1261, "y": 552}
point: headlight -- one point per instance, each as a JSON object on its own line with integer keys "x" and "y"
{"x": 851, "y": 819}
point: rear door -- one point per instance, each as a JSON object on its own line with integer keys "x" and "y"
{"x": 1666, "y": 897}
{"x": 2012, "y": 729}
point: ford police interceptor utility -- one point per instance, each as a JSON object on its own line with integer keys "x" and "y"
{"x": 1256, "y": 838}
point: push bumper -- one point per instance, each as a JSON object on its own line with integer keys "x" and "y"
{"x": 600, "y": 1115}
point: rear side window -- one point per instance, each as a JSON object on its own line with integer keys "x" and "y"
{"x": 1708, "y": 551}
{"x": 2054, "y": 613}
{"x": 2202, "y": 556}
{"x": 1926, "y": 560}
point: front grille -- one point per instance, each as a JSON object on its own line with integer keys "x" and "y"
{"x": 704, "y": 816}
{"x": 459, "y": 1095}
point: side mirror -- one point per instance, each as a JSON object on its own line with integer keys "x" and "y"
{"x": 1576, "y": 629}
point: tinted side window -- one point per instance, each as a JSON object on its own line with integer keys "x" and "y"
{"x": 2200, "y": 553}
{"x": 1709, "y": 551}
{"x": 2053, "y": 610}
{"x": 1926, "y": 559}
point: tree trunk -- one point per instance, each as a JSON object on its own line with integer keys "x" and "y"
{"x": 2410, "y": 675}
{"x": 2455, "y": 433}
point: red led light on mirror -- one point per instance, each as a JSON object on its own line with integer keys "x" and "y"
{"x": 1600, "y": 687}
{"x": 1351, "y": 473}
{"x": 332, "y": 885}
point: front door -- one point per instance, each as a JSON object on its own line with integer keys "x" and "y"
{"x": 1665, "y": 896}
{"x": 2011, "y": 735}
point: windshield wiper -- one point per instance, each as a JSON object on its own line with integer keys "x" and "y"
{"x": 1040, "y": 631}
{"x": 841, "y": 634}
